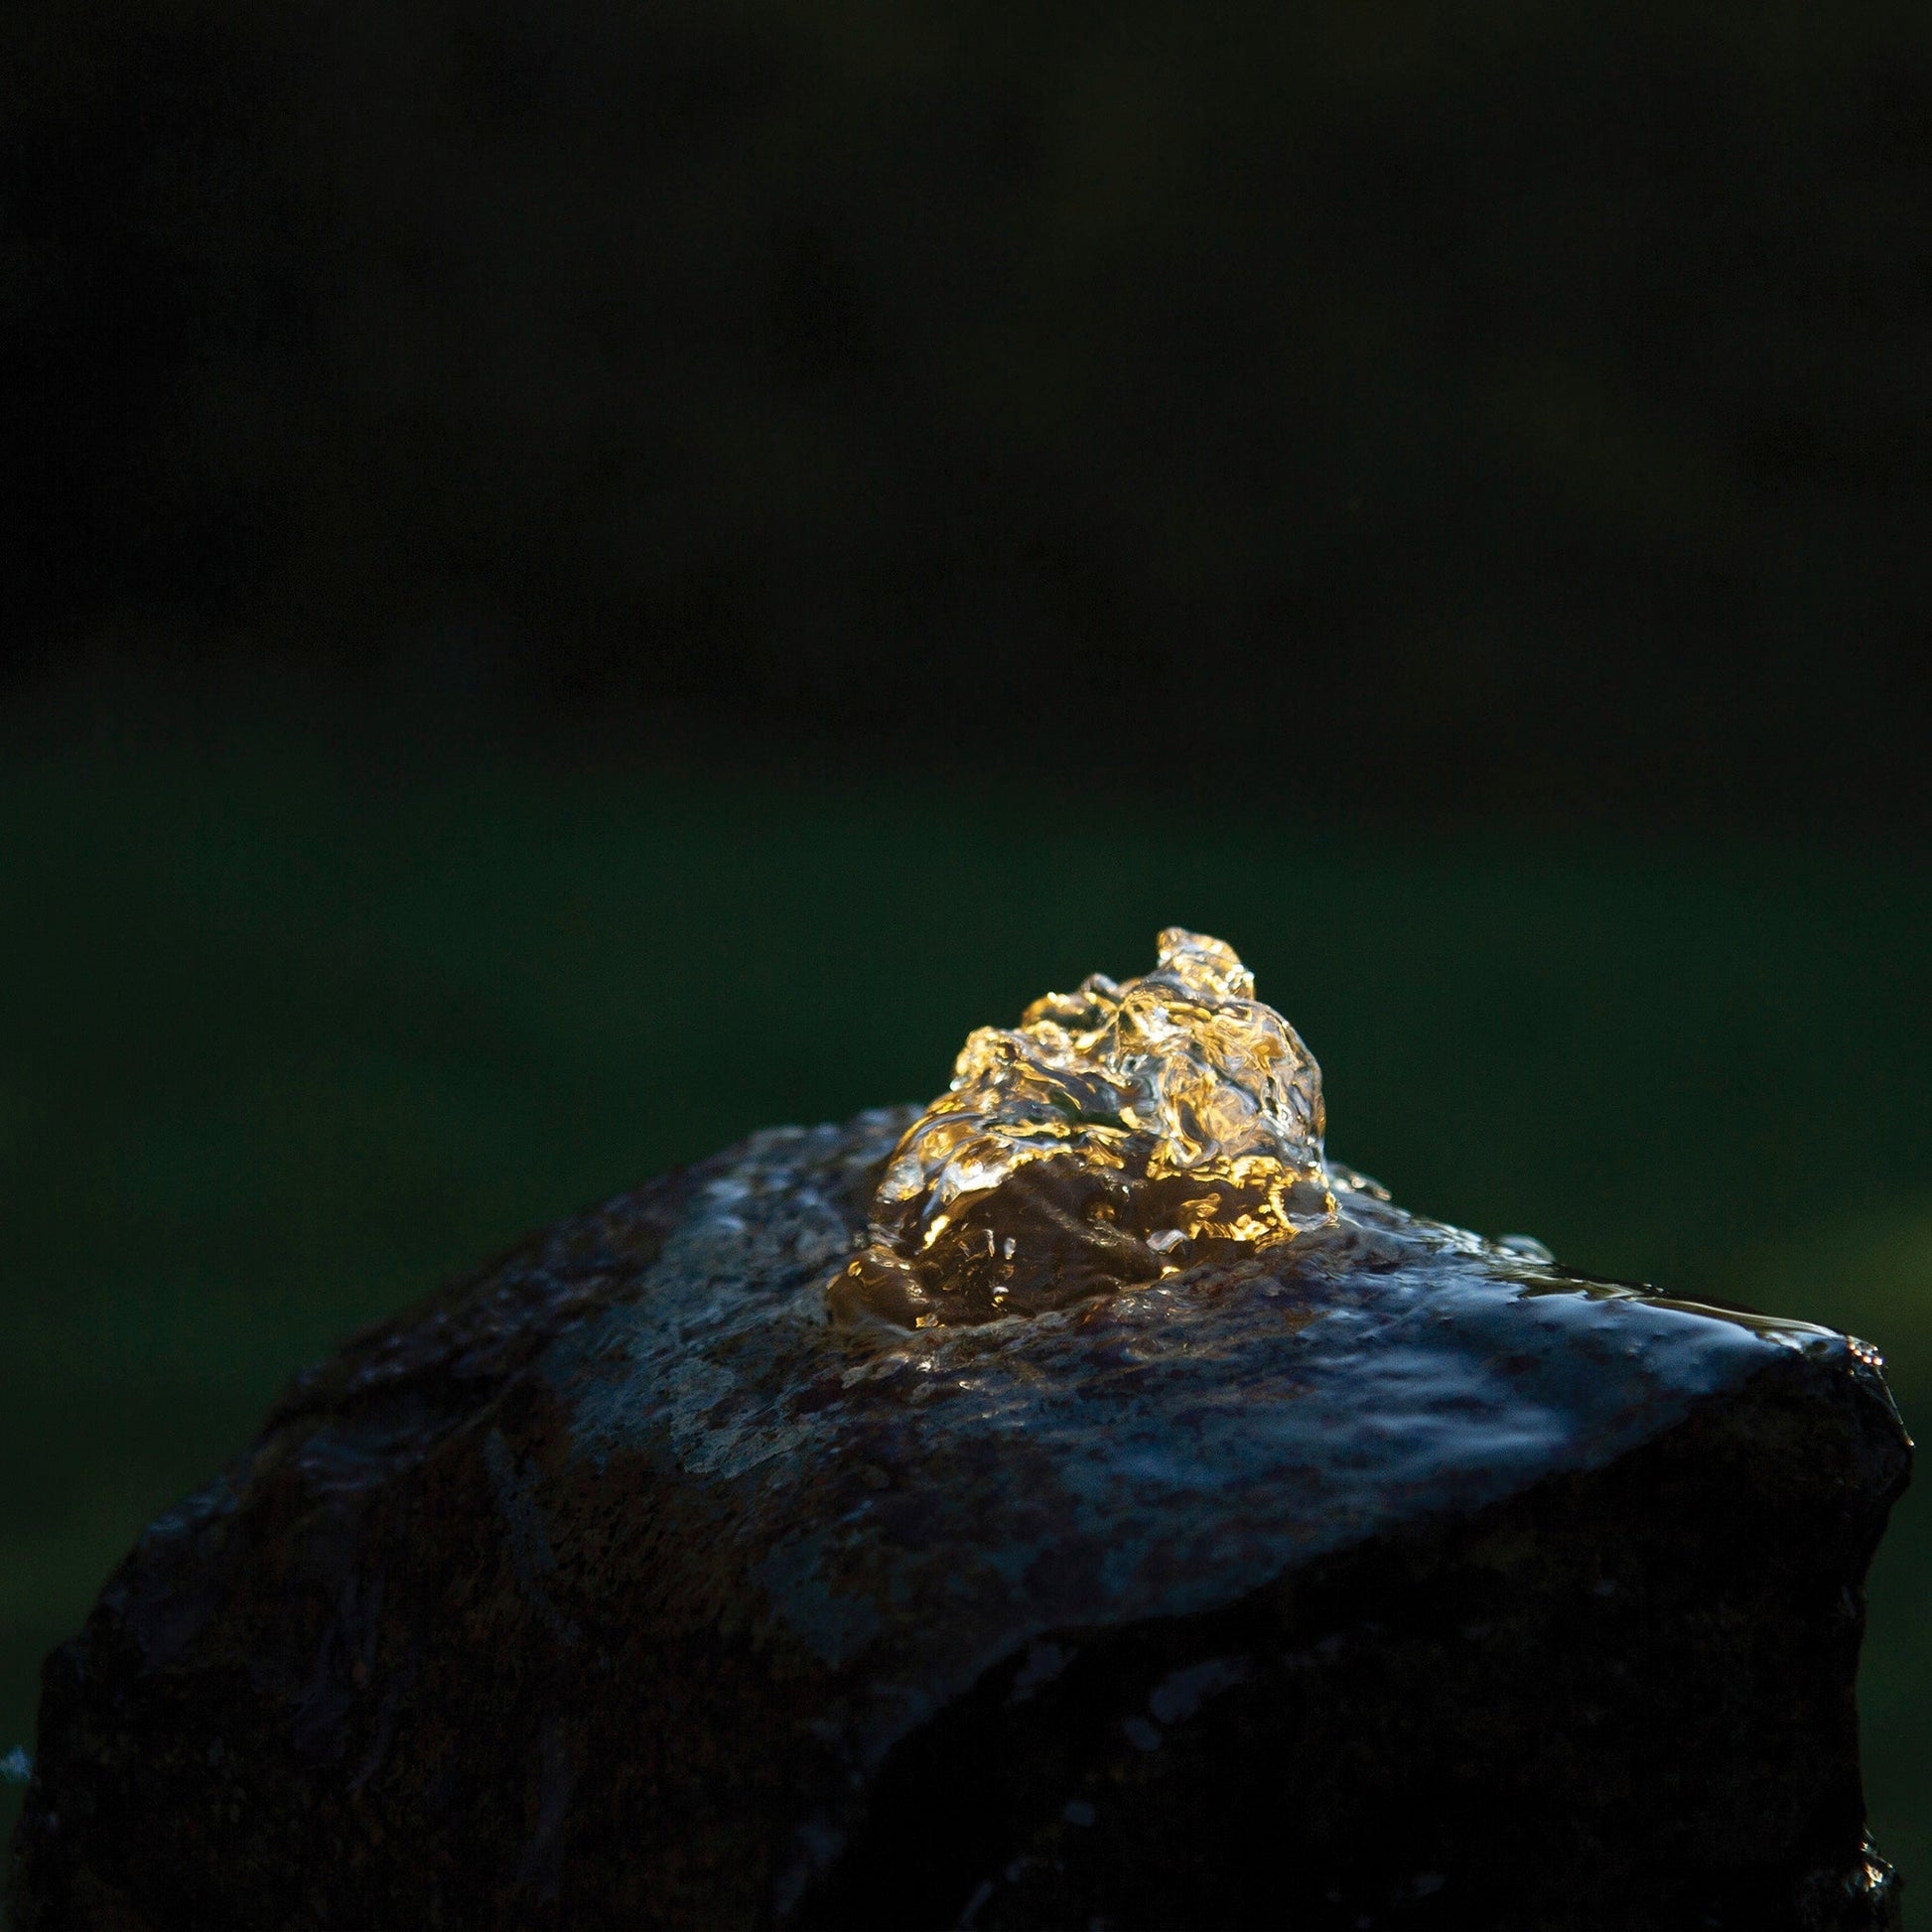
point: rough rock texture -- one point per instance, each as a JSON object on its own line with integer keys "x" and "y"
{"x": 1392, "y": 1580}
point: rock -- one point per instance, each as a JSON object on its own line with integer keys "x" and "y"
{"x": 1386, "y": 1577}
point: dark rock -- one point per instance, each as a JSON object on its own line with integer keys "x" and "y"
{"x": 1393, "y": 1578}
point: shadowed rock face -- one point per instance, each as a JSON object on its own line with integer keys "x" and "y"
{"x": 1381, "y": 1577}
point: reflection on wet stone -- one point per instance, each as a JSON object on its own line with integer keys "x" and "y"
{"x": 1079, "y": 1501}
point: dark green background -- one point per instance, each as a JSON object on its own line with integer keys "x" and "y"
{"x": 1517, "y": 407}
{"x": 293, "y": 1034}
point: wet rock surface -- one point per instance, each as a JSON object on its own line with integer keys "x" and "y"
{"x": 1385, "y": 1577}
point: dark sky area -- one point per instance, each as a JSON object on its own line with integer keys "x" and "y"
{"x": 1515, "y": 408}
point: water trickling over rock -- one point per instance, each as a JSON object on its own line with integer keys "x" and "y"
{"x": 1115, "y": 1136}
{"x": 1247, "y": 1553}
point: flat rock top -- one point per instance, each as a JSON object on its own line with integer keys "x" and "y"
{"x": 1155, "y": 1451}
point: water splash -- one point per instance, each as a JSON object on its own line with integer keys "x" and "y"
{"x": 1116, "y": 1135}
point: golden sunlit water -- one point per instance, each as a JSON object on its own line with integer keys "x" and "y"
{"x": 1116, "y": 1135}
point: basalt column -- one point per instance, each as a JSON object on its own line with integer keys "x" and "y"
{"x": 1077, "y": 1503}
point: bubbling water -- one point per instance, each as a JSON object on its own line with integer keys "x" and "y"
{"x": 1117, "y": 1135}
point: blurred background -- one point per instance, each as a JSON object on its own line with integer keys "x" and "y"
{"x": 579, "y": 580}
